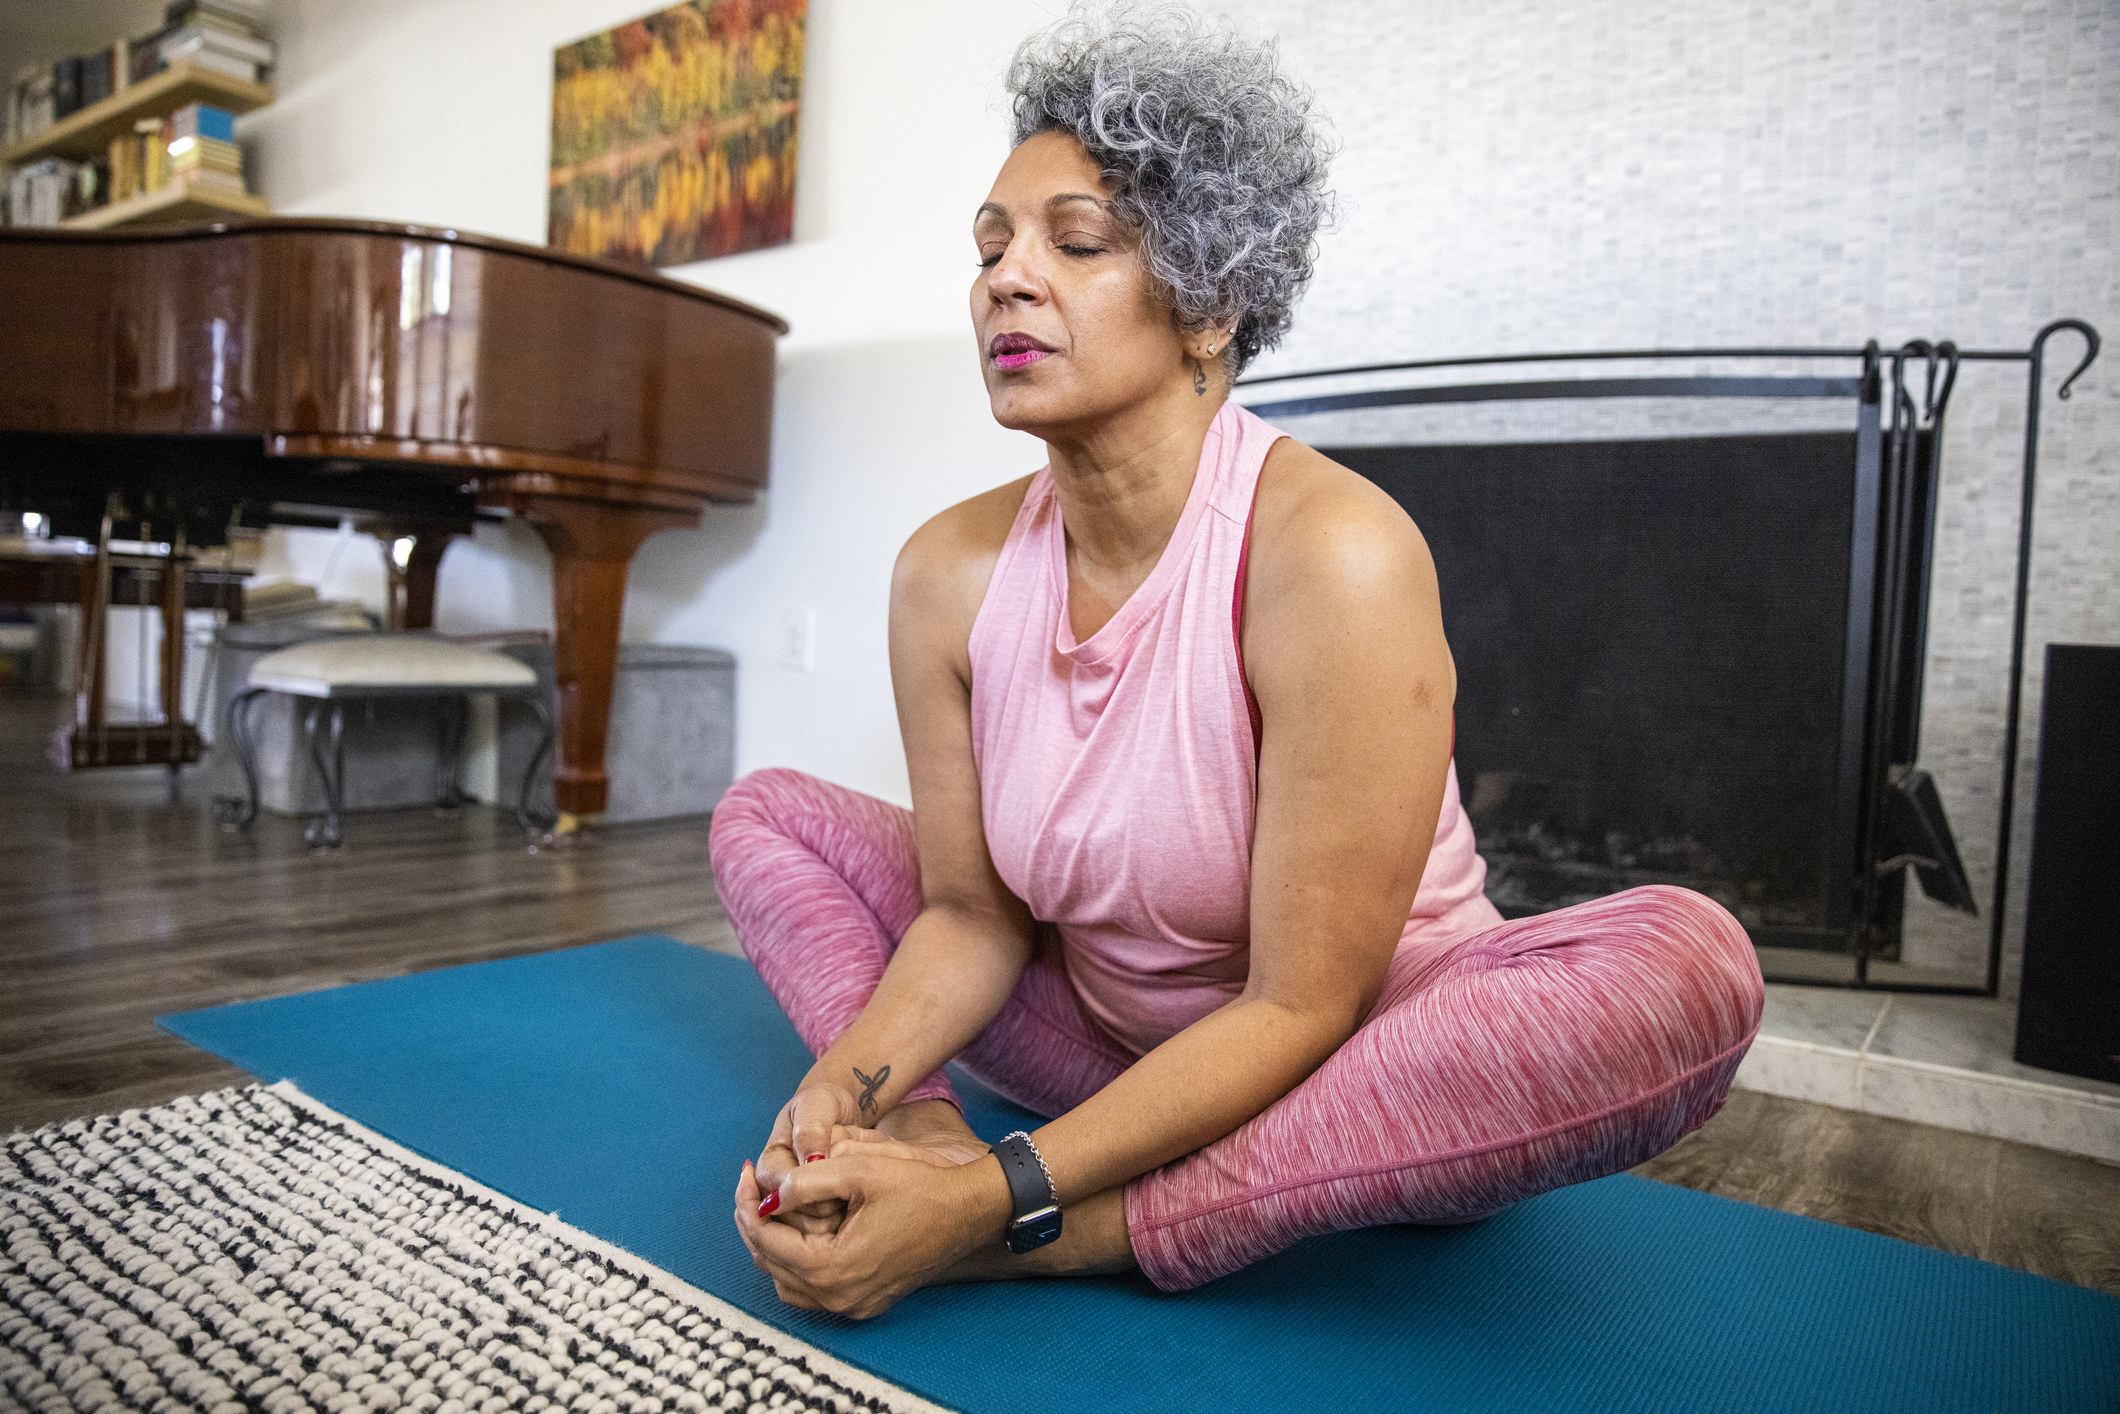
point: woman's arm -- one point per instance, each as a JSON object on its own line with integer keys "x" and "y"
{"x": 961, "y": 958}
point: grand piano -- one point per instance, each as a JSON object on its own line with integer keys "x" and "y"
{"x": 174, "y": 382}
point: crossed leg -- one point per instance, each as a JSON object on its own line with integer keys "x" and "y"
{"x": 1538, "y": 1053}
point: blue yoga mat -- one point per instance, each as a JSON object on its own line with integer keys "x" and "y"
{"x": 623, "y": 1085}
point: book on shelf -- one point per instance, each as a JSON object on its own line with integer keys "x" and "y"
{"x": 205, "y": 155}
{"x": 144, "y": 55}
{"x": 237, "y": 16}
{"x": 154, "y": 154}
{"x": 194, "y": 145}
{"x": 138, "y": 160}
{"x": 29, "y": 103}
{"x": 80, "y": 81}
{"x": 199, "y": 120}
{"x": 218, "y": 36}
{"x": 213, "y": 17}
{"x": 222, "y": 35}
{"x": 66, "y": 88}
{"x": 97, "y": 82}
{"x": 91, "y": 186}
{"x": 123, "y": 159}
{"x": 204, "y": 161}
{"x": 226, "y": 64}
{"x": 200, "y": 142}
{"x": 191, "y": 41}
{"x": 220, "y": 181}
{"x": 43, "y": 193}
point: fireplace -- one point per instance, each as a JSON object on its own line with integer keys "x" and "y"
{"x": 1655, "y": 663}
{"x": 1691, "y": 659}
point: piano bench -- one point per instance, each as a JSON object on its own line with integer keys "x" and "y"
{"x": 331, "y": 672}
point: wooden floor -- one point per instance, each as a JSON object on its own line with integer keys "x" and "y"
{"x": 2034, "y": 1209}
{"x": 120, "y": 900}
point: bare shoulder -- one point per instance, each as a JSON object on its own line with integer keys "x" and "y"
{"x": 1319, "y": 529}
{"x": 945, "y": 566}
{"x": 1340, "y": 597}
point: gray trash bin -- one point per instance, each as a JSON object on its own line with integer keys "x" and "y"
{"x": 672, "y": 746}
{"x": 393, "y": 748}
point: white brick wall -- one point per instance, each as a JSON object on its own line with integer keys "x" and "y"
{"x": 1614, "y": 173}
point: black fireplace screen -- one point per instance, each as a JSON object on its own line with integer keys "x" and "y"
{"x": 1656, "y": 663}
{"x": 1699, "y": 660}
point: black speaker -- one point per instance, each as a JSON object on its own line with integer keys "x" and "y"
{"x": 2068, "y": 1009}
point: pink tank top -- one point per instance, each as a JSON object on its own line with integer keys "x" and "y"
{"x": 1118, "y": 776}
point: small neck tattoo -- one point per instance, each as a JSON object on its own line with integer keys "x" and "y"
{"x": 870, "y": 1084}
{"x": 1199, "y": 380}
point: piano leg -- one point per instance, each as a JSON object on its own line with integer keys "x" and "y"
{"x": 421, "y": 571}
{"x": 173, "y": 652}
{"x": 408, "y": 588}
{"x": 591, "y": 547}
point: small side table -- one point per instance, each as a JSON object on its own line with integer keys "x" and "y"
{"x": 333, "y": 671}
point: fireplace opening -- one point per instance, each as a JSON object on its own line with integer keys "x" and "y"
{"x": 1652, "y": 650}
{"x": 1687, "y": 659}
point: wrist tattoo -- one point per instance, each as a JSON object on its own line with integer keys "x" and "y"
{"x": 870, "y": 1084}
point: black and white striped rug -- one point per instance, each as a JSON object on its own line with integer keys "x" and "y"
{"x": 253, "y": 1250}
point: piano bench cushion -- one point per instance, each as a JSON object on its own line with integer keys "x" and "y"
{"x": 388, "y": 662}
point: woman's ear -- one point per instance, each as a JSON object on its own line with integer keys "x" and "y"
{"x": 1209, "y": 343}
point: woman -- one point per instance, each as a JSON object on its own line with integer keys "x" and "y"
{"x": 1186, "y": 868}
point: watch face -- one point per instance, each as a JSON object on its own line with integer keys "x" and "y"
{"x": 1034, "y": 1231}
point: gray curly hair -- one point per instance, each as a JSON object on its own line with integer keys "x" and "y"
{"x": 1217, "y": 158}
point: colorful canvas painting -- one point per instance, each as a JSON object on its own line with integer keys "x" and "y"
{"x": 673, "y": 137}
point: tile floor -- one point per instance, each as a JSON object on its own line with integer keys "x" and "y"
{"x": 1937, "y": 1060}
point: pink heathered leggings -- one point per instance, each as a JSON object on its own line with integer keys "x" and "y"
{"x": 1538, "y": 1053}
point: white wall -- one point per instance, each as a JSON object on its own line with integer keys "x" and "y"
{"x": 1517, "y": 174}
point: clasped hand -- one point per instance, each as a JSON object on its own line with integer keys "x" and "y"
{"x": 866, "y": 1218}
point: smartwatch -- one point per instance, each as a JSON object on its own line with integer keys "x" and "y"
{"x": 1035, "y": 1219}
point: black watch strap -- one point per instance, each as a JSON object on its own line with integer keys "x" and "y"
{"x": 1035, "y": 1206}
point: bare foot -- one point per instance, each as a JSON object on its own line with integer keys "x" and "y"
{"x": 931, "y": 1130}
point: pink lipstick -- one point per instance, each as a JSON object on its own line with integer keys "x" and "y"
{"x": 1013, "y": 351}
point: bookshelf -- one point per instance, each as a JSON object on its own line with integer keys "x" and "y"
{"x": 88, "y": 132}
{"x": 179, "y": 200}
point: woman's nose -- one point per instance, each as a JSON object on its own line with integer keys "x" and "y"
{"x": 1014, "y": 278}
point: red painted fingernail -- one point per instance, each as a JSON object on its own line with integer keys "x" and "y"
{"x": 813, "y": 1158}
{"x": 770, "y": 1205}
